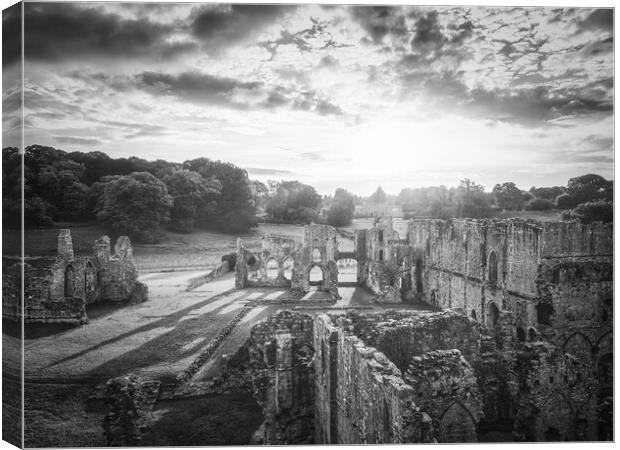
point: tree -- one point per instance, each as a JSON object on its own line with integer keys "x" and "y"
{"x": 590, "y": 187}
{"x": 598, "y": 211}
{"x": 342, "y": 208}
{"x": 508, "y": 196}
{"x": 549, "y": 193}
{"x": 294, "y": 202}
{"x": 135, "y": 205}
{"x": 379, "y": 196}
{"x": 234, "y": 210}
{"x": 539, "y": 204}
{"x": 191, "y": 194}
{"x": 471, "y": 201}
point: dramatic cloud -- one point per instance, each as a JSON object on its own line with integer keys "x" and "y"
{"x": 219, "y": 26}
{"x": 344, "y": 91}
{"x": 65, "y": 30}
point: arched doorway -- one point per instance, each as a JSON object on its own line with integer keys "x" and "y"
{"x": 347, "y": 270}
{"x": 287, "y": 266}
{"x": 492, "y": 316}
{"x": 69, "y": 282}
{"x": 457, "y": 425}
{"x": 252, "y": 264}
{"x": 315, "y": 278}
{"x": 271, "y": 269}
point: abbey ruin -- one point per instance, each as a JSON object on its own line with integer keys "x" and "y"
{"x": 58, "y": 290}
{"x": 515, "y": 345}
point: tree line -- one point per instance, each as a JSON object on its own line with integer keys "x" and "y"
{"x": 139, "y": 198}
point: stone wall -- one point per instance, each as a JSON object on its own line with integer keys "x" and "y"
{"x": 361, "y": 397}
{"x": 57, "y": 290}
{"x": 281, "y": 354}
{"x": 287, "y": 263}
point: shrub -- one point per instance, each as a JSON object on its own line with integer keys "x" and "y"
{"x": 565, "y": 201}
{"x": 599, "y": 211}
{"x": 539, "y": 204}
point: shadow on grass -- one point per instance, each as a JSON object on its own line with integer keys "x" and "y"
{"x": 34, "y": 330}
{"x": 168, "y": 347}
{"x": 211, "y": 420}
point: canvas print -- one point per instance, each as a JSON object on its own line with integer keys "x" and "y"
{"x": 283, "y": 224}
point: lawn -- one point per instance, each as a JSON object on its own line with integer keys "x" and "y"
{"x": 177, "y": 251}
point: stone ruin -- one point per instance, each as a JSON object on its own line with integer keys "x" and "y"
{"x": 523, "y": 349}
{"x": 58, "y": 290}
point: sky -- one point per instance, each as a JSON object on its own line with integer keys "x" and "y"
{"x": 332, "y": 96}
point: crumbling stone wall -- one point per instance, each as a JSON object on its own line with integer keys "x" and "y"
{"x": 446, "y": 388}
{"x": 57, "y": 290}
{"x": 316, "y": 240}
{"x": 281, "y": 354}
{"x": 361, "y": 397}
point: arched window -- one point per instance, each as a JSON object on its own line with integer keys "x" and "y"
{"x": 544, "y": 312}
{"x": 316, "y": 255}
{"x": 520, "y": 334}
{"x": 492, "y": 315}
{"x": 493, "y": 268}
{"x": 531, "y": 334}
{"x": 69, "y": 282}
{"x": 380, "y": 255}
{"x": 272, "y": 268}
{"x": 473, "y": 314}
{"x": 316, "y": 277}
{"x": 288, "y": 265}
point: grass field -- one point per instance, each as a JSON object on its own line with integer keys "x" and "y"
{"x": 197, "y": 250}
{"x": 177, "y": 251}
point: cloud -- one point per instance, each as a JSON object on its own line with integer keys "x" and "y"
{"x": 11, "y": 34}
{"x": 599, "y": 19}
{"x": 71, "y": 140}
{"x": 203, "y": 88}
{"x": 64, "y": 30}
{"x": 428, "y": 36}
{"x": 380, "y": 21}
{"x": 220, "y": 26}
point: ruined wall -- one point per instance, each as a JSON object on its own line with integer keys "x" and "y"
{"x": 361, "y": 397}
{"x": 57, "y": 290}
{"x": 281, "y": 353}
{"x": 447, "y": 389}
{"x": 401, "y": 335}
{"x": 318, "y": 248}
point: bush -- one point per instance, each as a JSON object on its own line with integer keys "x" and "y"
{"x": 338, "y": 216}
{"x": 565, "y": 201}
{"x": 539, "y": 204}
{"x": 599, "y": 211}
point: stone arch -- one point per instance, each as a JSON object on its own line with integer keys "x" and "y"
{"x": 316, "y": 276}
{"x": 605, "y": 344}
{"x": 287, "y": 267}
{"x": 69, "y": 281}
{"x": 492, "y": 315}
{"x": 316, "y": 255}
{"x": 578, "y": 344}
{"x": 253, "y": 265}
{"x": 520, "y": 334}
{"x": 457, "y": 425}
{"x": 271, "y": 268}
{"x": 493, "y": 269}
{"x": 433, "y": 299}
